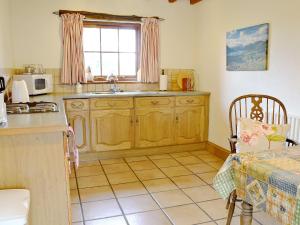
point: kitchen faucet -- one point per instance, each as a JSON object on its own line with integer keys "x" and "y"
{"x": 112, "y": 79}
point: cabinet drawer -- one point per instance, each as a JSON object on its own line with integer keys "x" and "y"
{"x": 111, "y": 103}
{"x": 77, "y": 104}
{"x": 190, "y": 100}
{"x": 154, "y": 102}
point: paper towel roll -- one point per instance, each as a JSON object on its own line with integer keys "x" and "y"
{"x": 163, "y": 82}
{"x": 19, "y": 91}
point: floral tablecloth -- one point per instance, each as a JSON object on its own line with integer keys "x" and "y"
{"x": 269, "y": 180}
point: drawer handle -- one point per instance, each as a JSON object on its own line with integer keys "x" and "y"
{"x": 77, "y": 105}
{"x": 154, "y": 102}
{"x": 112, "y": 104}
{"x": 190, "y": 100}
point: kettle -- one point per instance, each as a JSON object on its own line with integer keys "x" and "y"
{"x": 19, "y": 91}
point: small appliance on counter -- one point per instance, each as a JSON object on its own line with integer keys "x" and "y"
{"x": 3, "y": 115}
{"x": 37, "y": 84}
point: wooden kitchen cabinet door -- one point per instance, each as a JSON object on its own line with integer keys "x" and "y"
{"x": 111, "y": 129}
{"x": 154, "y": 127}
{"x": 190, "y": 124}
{"x": 80, "y": 120}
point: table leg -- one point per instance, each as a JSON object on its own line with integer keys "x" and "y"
{"x": 246, "y": 214}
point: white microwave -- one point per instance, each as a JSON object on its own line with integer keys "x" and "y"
{"x": 37, "y": 84}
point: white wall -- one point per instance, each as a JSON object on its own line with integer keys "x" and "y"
{"x": 282, "y": 80}
{"x": 5, "y": 35}
{"x": 36, "y": 31}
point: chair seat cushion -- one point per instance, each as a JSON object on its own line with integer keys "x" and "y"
{"x": 14, "y": 206}
{"x": 257, "y": 136}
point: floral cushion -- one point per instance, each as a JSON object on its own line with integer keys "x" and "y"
{"x": 257, "y": 136}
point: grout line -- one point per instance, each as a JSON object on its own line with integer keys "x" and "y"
{"x": 81, "y": 208}
{"x": 123, "y": 213}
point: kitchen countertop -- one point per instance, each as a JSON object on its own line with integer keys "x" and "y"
{"x": 56, "y": 121}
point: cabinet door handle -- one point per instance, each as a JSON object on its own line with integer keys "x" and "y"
{"x": 154, "y": 102}
{"x": 190, "y": 100}
{"x": 137, "y": 120}
{"x": 177, "y": 119}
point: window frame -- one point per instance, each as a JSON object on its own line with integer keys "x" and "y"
{"x": 117, "y": 25}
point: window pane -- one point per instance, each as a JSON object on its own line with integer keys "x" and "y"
{"x": 110, "y": 64}
{"x": 93, "y": 60}
{"x": 91, "y": 39}
{"x": 127, "y": 40}
{"x": 109, "y": 40}
{"x": 128, "y": 64}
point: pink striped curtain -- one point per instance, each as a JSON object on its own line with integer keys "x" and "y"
{"x": 73, "y": 59}
{"x": 150, "y": 52}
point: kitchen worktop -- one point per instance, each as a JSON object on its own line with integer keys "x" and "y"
{"x": 56, "y": 121}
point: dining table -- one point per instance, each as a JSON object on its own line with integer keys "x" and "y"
{"x": 267, "y": 180}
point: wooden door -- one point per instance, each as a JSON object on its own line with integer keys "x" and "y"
{"x": 190, "y": 124}
{"x": 111, "y": 129}
{"x": 154, "y": 127}
{"x": 79, "y": 120}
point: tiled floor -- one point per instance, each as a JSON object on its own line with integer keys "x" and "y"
{"x": 167, "y": 189}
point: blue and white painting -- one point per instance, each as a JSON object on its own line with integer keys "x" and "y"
{"x": 247, "y": 48}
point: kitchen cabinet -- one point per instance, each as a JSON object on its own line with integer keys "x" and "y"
{"x": 78, "y": 118}
{"x": 154, "y": 127}
{"x": 190, "y": 124}
{"x": 112, "y": 129}
{"x": 80, "y": 122}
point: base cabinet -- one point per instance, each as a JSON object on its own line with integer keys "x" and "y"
{"x": 190, "y": 125}
{"x": 111, "y": 129}
{"x": 154, "y": 127}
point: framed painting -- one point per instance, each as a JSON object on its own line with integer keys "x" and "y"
{"x": 247, "y": 48}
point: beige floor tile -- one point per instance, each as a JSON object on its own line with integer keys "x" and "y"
{"x": 203, "y": 193}
{"x": 92, "y": 181}
{"x": 176, "y": 171}
{"x": 156, "y": 217}
{"x": 161, "y": 163}
{"x": 77, "y": 223}
{"x": 236, "y": 221}
{"x": 101, "y": 209}
{"x": 188, "y": 181}
{"x": 265, "y": 219}
{"x": 129, "y": 189}
{"x": 162, "y": 156}
{"x": 135, "y": 204}
{"x": 120, "y": 178}
{"x": 136, "y": 159}
{"x": 89, "y": 171}
{"x": 76, "y": 213}
{"x": 157, "y": 185}
{"x": 142, "y": 165}
{"x": 111, "y": 161}
{"x": 118, "y": 220}
{"x": 208, "y": 223}
{"x": 74, "y": 196}
{"x": 209, "y": 158}
{"x": 72, "y": 183}
{"x": 186, "y": 215}
{"x": 188, "y": 160}
{"x": 88, "y": 163}
{"x": 207, "y": 177}
{"x": 217, "y": 165}
{"x": 200, "y": 168}
{"x": 171, "y": 198}
{"x": 216, "y": 209}
{"x": 180, "y": 154}
{"x": 96, "y": 194}
{"x": 149, "y": 174}
{"x": 116, "y": 168}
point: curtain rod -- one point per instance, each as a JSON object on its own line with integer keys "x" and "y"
{"x": 105, "y": 16}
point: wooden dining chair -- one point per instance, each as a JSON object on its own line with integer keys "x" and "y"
{"x": 262, "y": 108}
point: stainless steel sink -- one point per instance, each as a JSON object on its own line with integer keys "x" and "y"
{"x": 102, "y": 93}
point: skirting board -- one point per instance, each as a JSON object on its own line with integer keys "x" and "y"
{"x": 218, "y": 150}
{"x": 142, "y": 151}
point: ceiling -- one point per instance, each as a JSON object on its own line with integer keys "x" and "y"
{"x": 191, "y": 1}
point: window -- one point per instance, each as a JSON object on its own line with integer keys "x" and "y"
{"x": 112, "y": 48}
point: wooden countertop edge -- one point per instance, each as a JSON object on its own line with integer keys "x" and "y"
{"x": 33, "y": 130}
